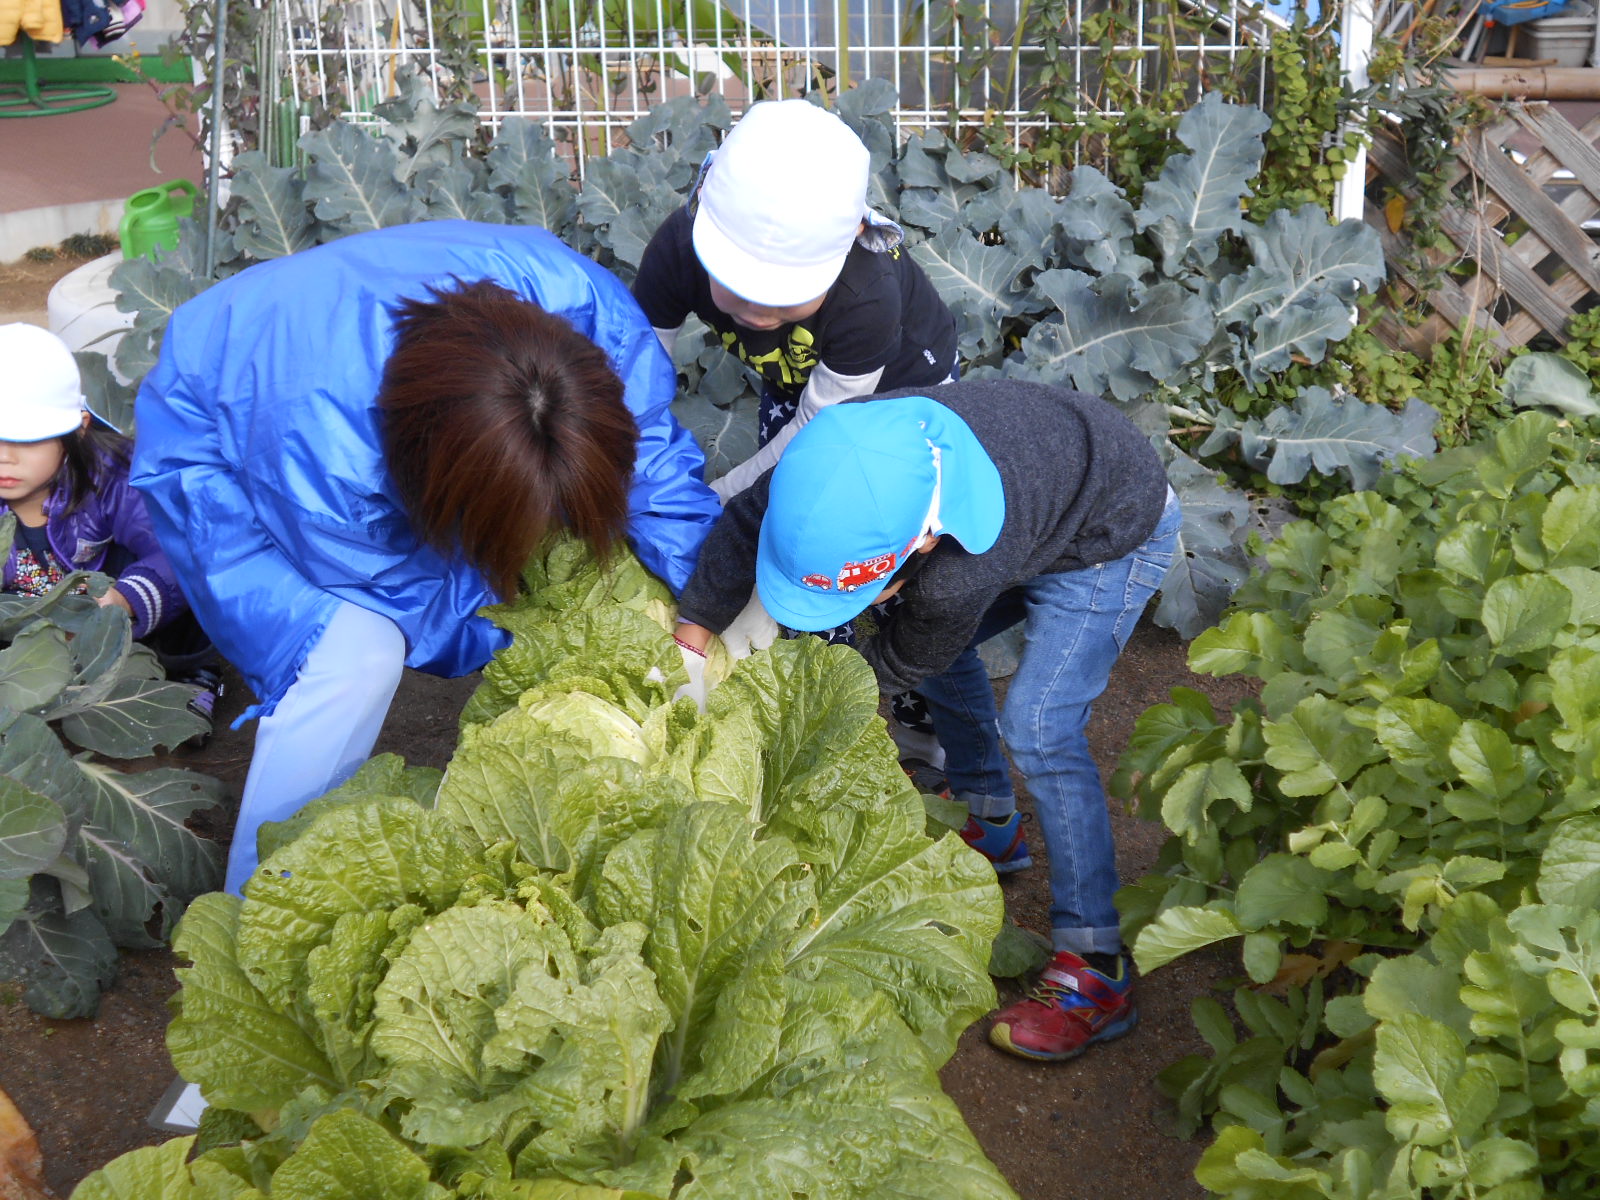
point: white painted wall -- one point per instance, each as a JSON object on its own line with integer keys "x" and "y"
{"x": 164, "y": 15}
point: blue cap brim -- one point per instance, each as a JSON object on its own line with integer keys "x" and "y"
{"x": 803, "y": 608}
{"x": 972, "y": 502}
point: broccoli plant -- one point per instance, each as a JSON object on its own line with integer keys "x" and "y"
{"x": 1153, "y": 306}
{"x": 91, "y": 858}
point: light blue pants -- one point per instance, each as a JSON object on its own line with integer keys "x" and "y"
{"x": 322, "y": 730}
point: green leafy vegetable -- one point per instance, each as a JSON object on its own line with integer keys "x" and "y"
{"x": 1401, "y": 831}
{"x": 91, "y": 858}
{"x": 621, "y": 948}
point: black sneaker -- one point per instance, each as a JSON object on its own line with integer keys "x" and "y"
{"x": 925, "y": 777}
{"x": 208, "y": 687}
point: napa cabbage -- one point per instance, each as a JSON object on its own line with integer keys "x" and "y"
{"x": 621, "y": 948}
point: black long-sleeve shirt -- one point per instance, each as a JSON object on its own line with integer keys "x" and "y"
{"x": 1082, "y": 486}
{"x": 880, "y": 314}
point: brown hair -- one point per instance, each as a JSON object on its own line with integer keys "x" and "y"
{"x": 502, "y": 423}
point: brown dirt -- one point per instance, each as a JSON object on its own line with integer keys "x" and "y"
{"x": 25, "y": 284}
{"x": 1058, "y": 1132}
{"x": 1091, "y": 1127}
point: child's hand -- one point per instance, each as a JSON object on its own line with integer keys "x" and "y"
{"x": 114, "y": 598}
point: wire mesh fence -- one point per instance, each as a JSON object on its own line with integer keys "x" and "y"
{"x": 586, "y": 69}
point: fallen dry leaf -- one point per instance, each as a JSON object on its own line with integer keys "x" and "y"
{"x": 1297, "y": 970}
{"x": 21, "y": 1164}
{"x": 1394, "y": 213}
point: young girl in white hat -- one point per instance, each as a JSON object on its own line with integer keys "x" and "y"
{"x": 64, "y": 476}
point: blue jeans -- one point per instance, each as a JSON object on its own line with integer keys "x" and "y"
{"x": 1077, "y": 624}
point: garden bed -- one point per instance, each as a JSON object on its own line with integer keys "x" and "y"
{"x": 1089, "y": 1127}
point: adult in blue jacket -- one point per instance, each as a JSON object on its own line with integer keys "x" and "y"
{"x": 349, "y": 451}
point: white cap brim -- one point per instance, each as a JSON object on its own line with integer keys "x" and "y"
{"x": 38, "y": 425}
{"x": 755, "y": 280}
{"x": 43, "y": 393}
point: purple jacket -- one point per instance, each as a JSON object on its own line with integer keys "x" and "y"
{"x": 112, "y": 524}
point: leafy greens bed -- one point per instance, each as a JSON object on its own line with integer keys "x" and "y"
{"x": 619, "y": 949}
{"x": 1403, "y": 833}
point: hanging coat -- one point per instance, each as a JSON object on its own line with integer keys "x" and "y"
{"x": 39, "y": 19}
{"x": 259, "y": 451}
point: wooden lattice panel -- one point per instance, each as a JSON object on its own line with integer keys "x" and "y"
{"x": 1514, "y": 292}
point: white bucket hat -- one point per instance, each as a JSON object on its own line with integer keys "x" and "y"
{"x": 781, "y": 202}
{"x": 43, "y": 394}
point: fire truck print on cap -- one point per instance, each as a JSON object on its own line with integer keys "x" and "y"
{"x": 860, "y": 574}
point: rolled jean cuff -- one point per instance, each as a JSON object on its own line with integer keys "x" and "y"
{"x": 1088, "y": 941}
{"x": 990, "y": 808}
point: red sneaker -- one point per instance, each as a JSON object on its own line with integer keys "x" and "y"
{"x": 1070, "y": 1008}
{"x": 1001, "y": 842}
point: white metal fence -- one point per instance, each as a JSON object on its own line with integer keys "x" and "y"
{"x": 588, "y": 68}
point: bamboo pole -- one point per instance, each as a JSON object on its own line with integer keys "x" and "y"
{"x": 1528, "y": 83}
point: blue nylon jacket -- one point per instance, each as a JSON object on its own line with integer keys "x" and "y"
{"x": 260, "y": 459}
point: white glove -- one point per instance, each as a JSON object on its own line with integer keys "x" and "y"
{"x": 694, "y": 662}
{"x": 750, "y": 631}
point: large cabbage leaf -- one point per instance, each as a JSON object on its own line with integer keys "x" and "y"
{"x": 353, "y": 181}
{"x": 911, "y": 918}
{"x": 721, "y": 906}
{"x": 699, "y": 955}
{"x": 808, "y": 714}
{"x": 273, "y": 219}
{"x": 63, "y": 959}
{"x": 849, "y": 1072}
{"x": 1327, "y": 433}
{"x": 90, "y": 858}
{"x": 244, "y": 1050}
{"x": 374, "y": 855}
{"x": 1196, "y": 198}
{"x": 507, "y": 784}
{"x": 523, "y": 162}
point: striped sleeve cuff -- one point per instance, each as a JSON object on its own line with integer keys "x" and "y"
{"x": 144, "y": 598}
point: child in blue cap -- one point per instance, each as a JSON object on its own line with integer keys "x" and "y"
{"x": 779, "y": 253}
{"x": 1000, "y": 502}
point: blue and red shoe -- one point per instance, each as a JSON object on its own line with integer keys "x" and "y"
{"x": 1070, "y": 1008}
{"x": 1001, "y": 842}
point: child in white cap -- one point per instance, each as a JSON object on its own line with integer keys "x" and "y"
{"x": 64, "y": 476}
{"x": 778, "y": 252}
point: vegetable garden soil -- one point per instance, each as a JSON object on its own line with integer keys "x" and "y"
{"x": 1091, "y": 1127}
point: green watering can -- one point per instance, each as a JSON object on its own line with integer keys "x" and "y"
{"x": 150, "y": 218}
